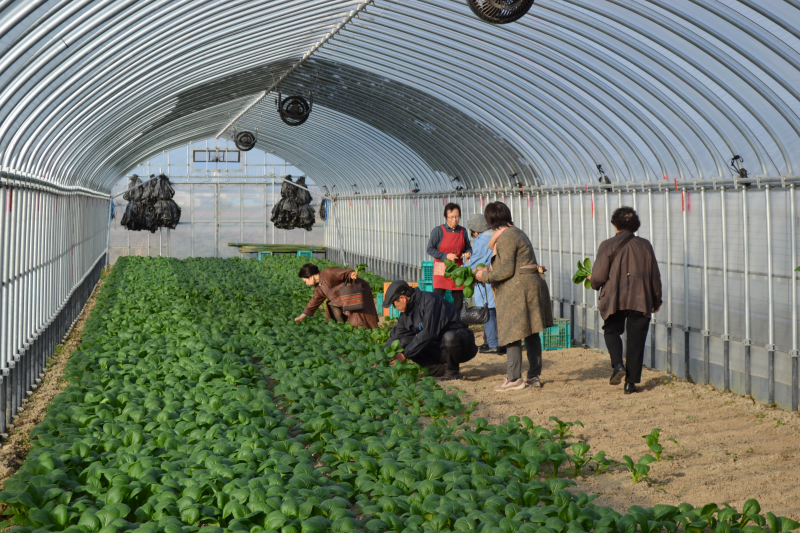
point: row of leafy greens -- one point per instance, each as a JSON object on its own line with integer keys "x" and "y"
{"x": 196, "y": 403}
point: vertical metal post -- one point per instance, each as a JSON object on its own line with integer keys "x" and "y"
{"x": 560, "y": 259}
{"x": 686, "y": 355}
{"x": 706, "y": 326}
{"x": 582, "y": 255}
{"x": 653, "y": 320}
{"x": 595, "y": 308}
{"x": 746, "y": 341}
{"x": 550, "y": 248}
{"x": 795, "y": 354}
{"x": 669, "y": 285}
{"x": 726, "y": 338}
{"x": 571, "y": 285}
{"x": 771, "y": 295}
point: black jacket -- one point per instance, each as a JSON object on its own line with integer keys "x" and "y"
{"x": 427, "y": 317}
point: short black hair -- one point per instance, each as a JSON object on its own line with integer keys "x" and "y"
{"x": 497, "y": 215}
{"x": 308, "y": 270}
{"x": 451, "y": 207}
{"x": 626, "y": 219}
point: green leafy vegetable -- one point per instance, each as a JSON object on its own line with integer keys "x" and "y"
{"x": 583, "y": 272}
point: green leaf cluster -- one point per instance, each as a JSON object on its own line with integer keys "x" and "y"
{"x": 196, "y": 403}
{"x": 462, "y": 276}
{"x": 583, "y": 272}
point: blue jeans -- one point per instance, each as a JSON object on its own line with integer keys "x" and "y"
{"x": 490, "y": 329}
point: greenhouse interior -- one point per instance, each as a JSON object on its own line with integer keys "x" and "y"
{"x": 166, "y": 168}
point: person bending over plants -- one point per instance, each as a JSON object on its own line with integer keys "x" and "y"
{"x": 327, "y": 285}
{"x": 429, "y": 330}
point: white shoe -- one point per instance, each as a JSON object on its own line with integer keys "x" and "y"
{"x": 510, "y": 385}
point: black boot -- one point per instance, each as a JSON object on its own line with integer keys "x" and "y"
{"x": 617, "y": 374}
{"x": 630, "y": 388}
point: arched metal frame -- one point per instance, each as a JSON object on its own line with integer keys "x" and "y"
{"x": 648, "y": 89}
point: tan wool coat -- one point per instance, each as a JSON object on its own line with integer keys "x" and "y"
{"x": 521, "y": 296}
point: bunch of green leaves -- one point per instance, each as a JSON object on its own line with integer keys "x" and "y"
{"x": 652, "y": 440}
{"x": 361, "y": 268}
{"x": 584, "y": 271}
{"x": 462, "y": 276}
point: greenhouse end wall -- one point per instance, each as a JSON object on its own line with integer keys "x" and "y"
{"x": 726, "y": 254}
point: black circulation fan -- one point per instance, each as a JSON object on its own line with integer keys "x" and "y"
{"x": 500, "y": 11}
{"x": 245, "y": 140}
{"x": 294, "y": 110}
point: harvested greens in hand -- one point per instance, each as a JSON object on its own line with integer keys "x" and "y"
{"x": 462, "y": 276}
{"x": 584, "y": 271}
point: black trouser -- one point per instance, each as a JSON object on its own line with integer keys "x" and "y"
{"x": 456, "y": 347}
{"x": 514, "y": 355}
{"x": 337, "y": 314}
{"x": 458, "y": 297}
{"x": 636, "y": 325}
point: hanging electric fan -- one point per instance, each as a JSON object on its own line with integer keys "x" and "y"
{"x": 500, "y": 11}
{"x": 294, "y": 110}
{"x": 245, "y": 140}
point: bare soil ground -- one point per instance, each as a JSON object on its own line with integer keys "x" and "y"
{"x": 15, "y": 448}
{"x": 730, "y": 447}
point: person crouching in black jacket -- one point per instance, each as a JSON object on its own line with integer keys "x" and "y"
{"x": 430, "y": 331}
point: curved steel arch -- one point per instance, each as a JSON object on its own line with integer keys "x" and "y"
{"x": 75, "y": 108}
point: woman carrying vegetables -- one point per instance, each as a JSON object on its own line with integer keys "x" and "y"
{"x": 327, "y": 284}
{"x": 521, "y": 297}
{"x": 449, "y": 241}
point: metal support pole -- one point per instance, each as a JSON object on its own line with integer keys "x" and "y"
{"x": 746, "y": 341}
{"x": 560, "y": 259}
{"x": 596, "y": 296}
{"x": 706, "y": 327}
{"x": 795, "y": 354}
{"x": 582, "y": 255}
{"x": 668, "y": 324}
{"x": 686, "y": 356}
{"x": 571, "y": 285}
{"x": 653, "y": 320}
{"x": 726, "y": 338}
{"x": 771, "y": 296}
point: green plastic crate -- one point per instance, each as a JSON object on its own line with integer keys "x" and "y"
{"x": 261, "y": 255}
{"x": 393, "y": 312}
{"x": 448, "y": 295}
{"x": 305, "y": 253}
{"x": 379, "y": 302}
{"x": 427, "y": 272}
{"x": 425, "y": 286}
{"x": 557, "y": 337}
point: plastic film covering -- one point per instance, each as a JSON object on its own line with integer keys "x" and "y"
{"x": 88, "y": 89}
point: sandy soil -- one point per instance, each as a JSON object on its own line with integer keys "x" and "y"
{"x": 15, "y": 448}
{"x": 730, "y": 447}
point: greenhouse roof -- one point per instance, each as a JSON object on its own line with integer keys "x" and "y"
{"x": 406, "y": 89}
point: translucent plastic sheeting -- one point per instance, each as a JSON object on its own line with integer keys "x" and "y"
{"x": 88, "y": 89}
{"x": 702, "y": 266}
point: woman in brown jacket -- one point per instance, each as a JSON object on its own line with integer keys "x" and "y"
{"x": 327, "y": 284}
{"x": 521, "y": 297}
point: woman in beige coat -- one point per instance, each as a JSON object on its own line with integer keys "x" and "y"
{"x": 521, "y": 297}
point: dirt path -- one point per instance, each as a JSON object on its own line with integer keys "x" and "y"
{"x": 731, "y": 448}
{"x": 14, "y": 449}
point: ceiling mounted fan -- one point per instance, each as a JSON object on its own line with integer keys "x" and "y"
{"x": 244, "y": 140}
{"x": 500, "y": 11}
{"x": 294, "y": 110}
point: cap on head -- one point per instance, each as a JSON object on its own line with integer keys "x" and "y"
{"x": 397, "y": 288}
{"x": 477, "y": 223}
